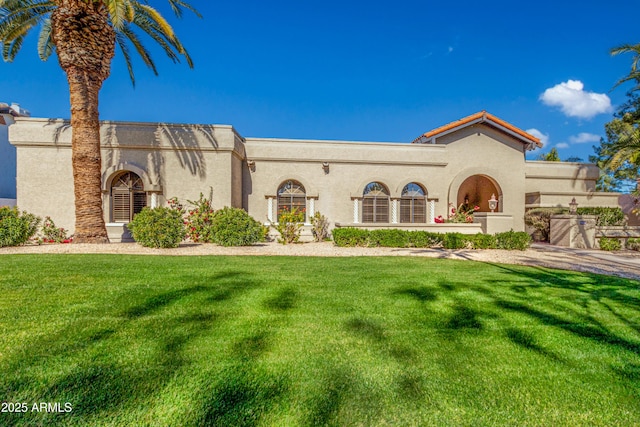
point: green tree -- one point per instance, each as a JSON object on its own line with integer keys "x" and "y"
{"x": 619, "y": 154}
{"x": 84, "y": 35}
{"x": 551, "y": 156}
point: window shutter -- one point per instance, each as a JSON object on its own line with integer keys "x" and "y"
{"x": 121, "y": 201}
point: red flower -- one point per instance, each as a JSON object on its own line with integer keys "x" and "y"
{"x": 476, "y": 208}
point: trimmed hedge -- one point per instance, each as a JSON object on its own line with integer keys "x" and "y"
{"x": 350, "y": 237}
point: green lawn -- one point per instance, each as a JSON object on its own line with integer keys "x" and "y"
{"x": 285, "y": 341}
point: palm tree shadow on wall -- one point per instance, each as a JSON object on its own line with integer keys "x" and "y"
{"x": 187, "y": 141}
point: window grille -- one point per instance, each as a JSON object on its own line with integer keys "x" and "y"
{"x": 375, "y": 203}
{"x": 291, "y": 195}
{"x": 127, "y": 197}
{"x": 413, "y": 204}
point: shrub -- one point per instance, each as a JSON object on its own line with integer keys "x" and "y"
{"x": 510, "y": 240}
{"x": 633, "y": 244}
{"x": 540, "y": 220}
{"x": 454, "y": 241}
{"x": 234, "y": 227}
{"x": 424, "y": 239}
{"x": 158, "y": 227}
{"x": 610, "y": 244}
{"x": 350, "y": 237}
{"x": 485, "y": 241}
{"x": 199, "y": 220}
{"x": 16, "y": 228}
{"x": 320, "y": 225}
{"x": 606, "y": 216}
{"x": 53, "y": 234}
{"x": 389, "y": 238}
{"x": 289, "y": 225}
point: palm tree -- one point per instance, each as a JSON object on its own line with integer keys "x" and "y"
{"x": 84, "y": 34}
{"x": 634, "y": 74}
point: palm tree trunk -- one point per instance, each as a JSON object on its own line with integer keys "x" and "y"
{"x": 85, "y": 44}
{"x": 86, "y": 158}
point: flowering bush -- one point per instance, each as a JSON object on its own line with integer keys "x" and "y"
{"x": 53, "y": 234}
{"x": 462, "y": 214}
{"x": 289, "y": 225}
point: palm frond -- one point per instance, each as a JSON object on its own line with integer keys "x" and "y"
{"x": 634, "y": 74}
{"x": 18, "y": 17}
{"x": 45, "y": 44}
{"x": 127, "y": 34}
{"x": 122, "y": 44}
{"x": 178, "y": 5}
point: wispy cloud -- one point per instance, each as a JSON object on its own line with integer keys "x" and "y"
{"x": 562, "y": 145}
{"x": 544, "y": 138}
{"x": 584, "y": 138}
{"x": 574, "y": 101}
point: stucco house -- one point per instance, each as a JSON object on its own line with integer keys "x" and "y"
{"x": 361, "y": 184}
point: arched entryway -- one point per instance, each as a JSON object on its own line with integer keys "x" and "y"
{"x": 476, "y": 190}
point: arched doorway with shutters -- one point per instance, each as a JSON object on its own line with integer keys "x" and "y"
{"x": 127, "y": 197}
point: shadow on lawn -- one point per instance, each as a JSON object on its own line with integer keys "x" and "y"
{"x": 103, "y": 379}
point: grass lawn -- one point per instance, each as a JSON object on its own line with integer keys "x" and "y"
{"x": 192, "y": 341}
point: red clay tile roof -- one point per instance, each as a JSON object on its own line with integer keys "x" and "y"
{"x": 481, "y": 117}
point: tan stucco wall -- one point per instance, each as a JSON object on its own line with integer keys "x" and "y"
{"x": 185, "y": 160}
{"x": 172, "y": 160}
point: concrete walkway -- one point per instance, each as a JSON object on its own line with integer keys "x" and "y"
{"x": 623, "y": 261}
{"x": 630, "y": 259}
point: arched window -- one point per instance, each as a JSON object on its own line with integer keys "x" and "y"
{"x": 291, "y": 195}
{"x": 413, "y": 206}
{"x": 375, "y": 203}
{"x": 127, "y": 197}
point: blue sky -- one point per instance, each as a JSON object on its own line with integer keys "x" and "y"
{"x": 370, "y": 71}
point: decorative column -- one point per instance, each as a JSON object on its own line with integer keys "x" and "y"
{"x": 312, "y": 208}
{"x": 394, "y": 211}
{"x": 270, "y": 209}
{"x": 154, "y": 200}
{"x": 432, "y": 212}
{"x": 356, "y": 212}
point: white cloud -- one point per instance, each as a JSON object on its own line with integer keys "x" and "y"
{"x": 562, "y": 145}
{"x": 574, "y": 101}
{"x": 583, "y": 138}
{"x": 544, "y": 138}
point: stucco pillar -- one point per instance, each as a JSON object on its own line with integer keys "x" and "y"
{"x": 356, "y": 212}
{"x": 154, "y": 200}
{"x": 270, "y": 209}
{"x": 312, "y": 208}
{"x": 432, "y": 212}
{"x": 394, "y": 211}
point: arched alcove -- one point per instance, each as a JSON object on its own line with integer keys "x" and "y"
{"x": 478, "y": 190}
